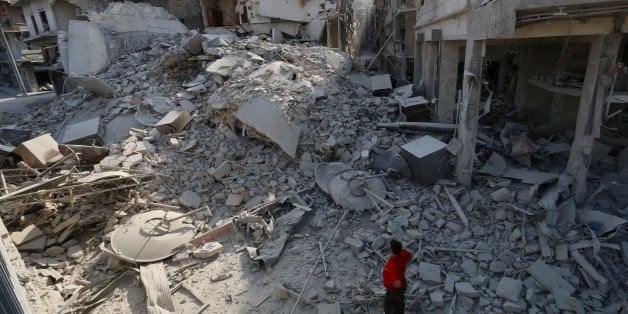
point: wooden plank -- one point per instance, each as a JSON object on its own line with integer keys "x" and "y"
{"x": 155, "y": 281}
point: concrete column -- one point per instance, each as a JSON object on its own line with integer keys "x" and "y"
{"x": 429, "y": 67}
{"x": 418, "y": 58}
{"x": 522, "y": 76}
{"x": 447, "y": 78}
{"x": 602, "y": 55}
{"x": 467, "y": 122}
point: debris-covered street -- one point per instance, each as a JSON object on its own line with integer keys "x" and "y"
{"x": 251, "y": 156}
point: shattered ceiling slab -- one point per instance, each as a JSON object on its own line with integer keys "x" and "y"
{"x": 267, "y": 118}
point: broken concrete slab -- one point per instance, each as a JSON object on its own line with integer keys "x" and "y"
{"x": 174, "y": 121}
{"x": 89, "y": 132}
{"x": 37, "y": 245}
{"x": 29, "y": 233}
{"x": 548, "y": 278}
{"x": 234, "y": 200}
{"x": 268, "y": 119}
{"x": 436, "y": 297}
{"x": 88, "y": 51}
{"x": 430, "y": 272}
{"x": 465, "y": 288}
{"x": 95, "y": 85}
{"x": 509, "y": 289}
{"x": 354, "y": 244}
{"x": 469, "y": 267}
{"x": 40, "y": 151}
{"x": 190, "y": 199}
{"x": 428, "y": 159}
{"x": 224, "y": 66}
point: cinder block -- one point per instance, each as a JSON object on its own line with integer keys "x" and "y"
{"x": 174, "y": 121}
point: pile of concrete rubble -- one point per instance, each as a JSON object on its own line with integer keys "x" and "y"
{"x": 238, "y": 132}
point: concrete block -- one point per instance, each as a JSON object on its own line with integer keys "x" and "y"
{"x": 40, "y": 151}
{"x": 89, "y": 132}
{"x": 27, "y": 234}
{"x": 355, "y": 245}
{"x": 195, "y": 44}
{"x": 509, "y": 289}
{"x": 430, "y": 272}
{"x": 174, "y": 121}
{"x": 465, "y": 288}
{"x": 428, "y": 159}
{"x": 437, "y": 298}
{"x": 208, "y": 250}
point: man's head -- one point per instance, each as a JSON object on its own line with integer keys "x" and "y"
{"x": 395, "y": 247}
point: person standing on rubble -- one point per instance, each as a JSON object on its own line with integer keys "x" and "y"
{"x": 394, "y": 278}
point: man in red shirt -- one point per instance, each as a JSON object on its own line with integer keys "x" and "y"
{"x": 394, "y": 278}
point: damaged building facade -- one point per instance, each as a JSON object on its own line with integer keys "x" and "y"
{"x": 559, "y": 64}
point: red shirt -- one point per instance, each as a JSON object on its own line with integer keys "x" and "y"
{"x": 395, "y": 269}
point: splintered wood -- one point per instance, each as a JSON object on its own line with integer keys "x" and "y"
{"x": 158, "y": 297}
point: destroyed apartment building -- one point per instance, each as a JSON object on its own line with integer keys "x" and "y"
{"x": 258, "y": 156}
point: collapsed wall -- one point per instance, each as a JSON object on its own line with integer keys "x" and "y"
{"x": 123, "y": 27}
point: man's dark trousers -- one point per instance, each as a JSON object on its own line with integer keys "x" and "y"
{"x": 394, "y": 301}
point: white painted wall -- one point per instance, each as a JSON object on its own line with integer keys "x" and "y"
{"x": 34, "y": 7}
